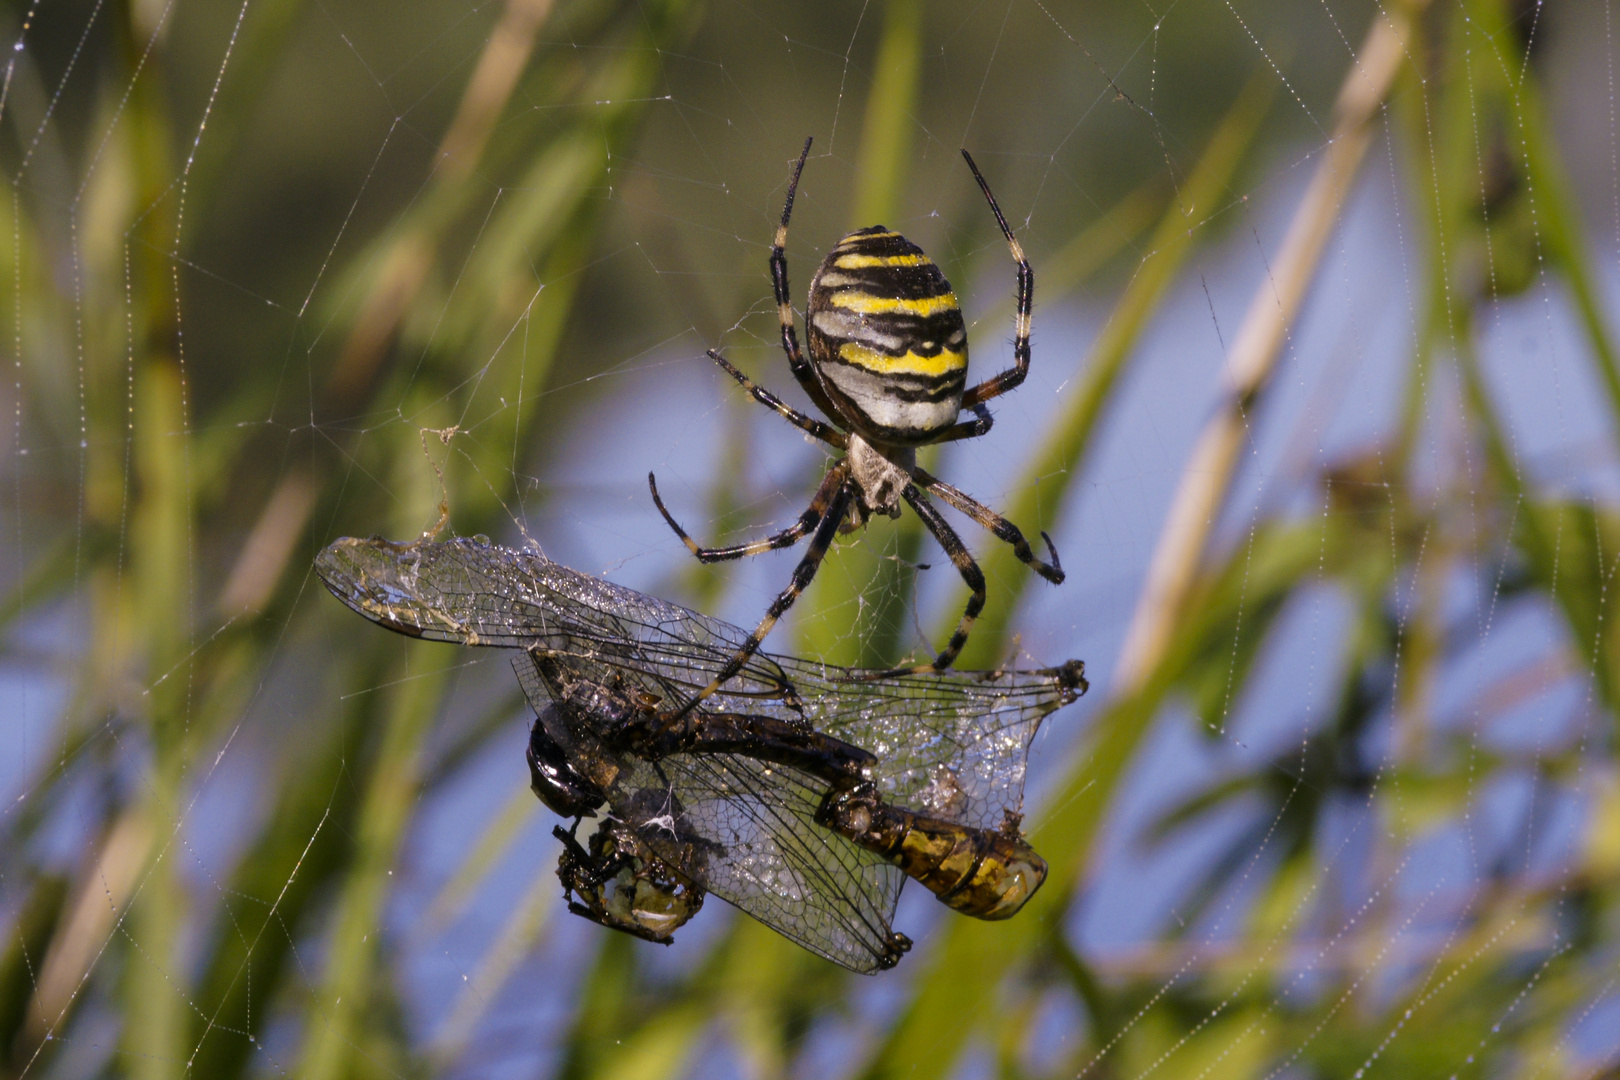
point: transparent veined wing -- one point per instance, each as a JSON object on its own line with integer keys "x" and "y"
{"x": 737, "y": 827}
{"x": 951, "y": 744}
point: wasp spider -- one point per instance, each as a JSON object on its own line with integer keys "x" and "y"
{"x": 888, "y": 367}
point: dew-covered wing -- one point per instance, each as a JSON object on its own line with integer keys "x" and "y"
{"x": 744, "y": 830}
{"x": 953, "y": 744}
{"x": 473, "y": 592}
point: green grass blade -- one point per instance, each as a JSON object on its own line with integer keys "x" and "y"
{"x": 881, "y": 170}
{"x": 857, "y": 606}
{"x": 338, "y": 1024}
{"x": 304, "y": 851}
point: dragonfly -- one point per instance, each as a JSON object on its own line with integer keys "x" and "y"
{"x": 727, "y": 804}
{"x": 802, "y": 792}
{"x": 591, "y": 745}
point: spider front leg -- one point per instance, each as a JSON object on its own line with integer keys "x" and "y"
{"x": 1003, "y": 529}
{"x": 802, "y": 371}
{"x": 802, "y": 575}
{"x": 1013, "y": 376}
{"x": 965, "y": 566}
{"x": 786, "y": 538}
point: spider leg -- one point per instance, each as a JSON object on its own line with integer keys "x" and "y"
{"x": 964, "y": 565}
{"x": 968, "y": 429}
{"x": 1003, "y": 529}
{"x": 1009, "y": 379}
{"x": 809, "y": 424}
{"x": 802, "y": 575}
{"x": 801, "y": 368}
{"x": 786, "y": 538}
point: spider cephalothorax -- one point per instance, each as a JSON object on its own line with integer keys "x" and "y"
{"x": 887, "y": 365}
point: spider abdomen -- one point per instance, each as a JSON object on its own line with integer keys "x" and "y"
{"x": 886, "y": 337}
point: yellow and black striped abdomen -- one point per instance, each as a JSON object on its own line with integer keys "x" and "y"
{"x": 886, "y": 338}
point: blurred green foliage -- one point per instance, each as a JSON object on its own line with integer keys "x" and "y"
{"x": 238, "y": 292}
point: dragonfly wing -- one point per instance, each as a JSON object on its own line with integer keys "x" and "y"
{"x": 472, "y": 592}
{"x": 952, "y": 744}
{"x": 744, "y": 830}
{"x": 763, "y": 852}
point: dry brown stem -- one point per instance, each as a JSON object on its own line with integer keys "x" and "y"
{"x": 1253, "y": 356}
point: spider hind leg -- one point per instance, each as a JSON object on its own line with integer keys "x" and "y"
{"x": 971, "y": 574}
{"x": 999, "y": 526}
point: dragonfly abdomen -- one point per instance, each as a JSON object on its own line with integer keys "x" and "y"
{"x": 979, "y": 872}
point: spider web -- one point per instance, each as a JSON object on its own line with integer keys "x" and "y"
{"x": 1343, "y": 798}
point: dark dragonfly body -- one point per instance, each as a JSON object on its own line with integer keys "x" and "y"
{"x": 988, "y": 875}
{"x": 604, "y": 724}
{"x": 696, "y": 808}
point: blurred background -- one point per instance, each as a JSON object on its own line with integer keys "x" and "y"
{"x": 1324, "y": 420}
